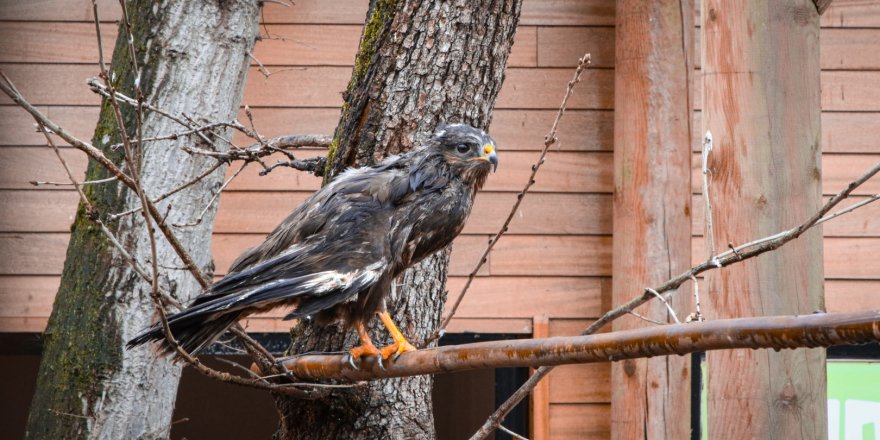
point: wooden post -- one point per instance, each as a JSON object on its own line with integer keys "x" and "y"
{"x": 761, "y": 103}
{"x": 652, "y": 213}
{"x": 540, "y": 404}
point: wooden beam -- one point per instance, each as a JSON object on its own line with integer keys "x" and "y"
{"x": 540, "y": 403}
{"x": 762, "y": 103}
{"x": 652, "y": 226}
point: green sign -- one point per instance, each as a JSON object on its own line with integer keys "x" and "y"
{"x": 853, "y": 400}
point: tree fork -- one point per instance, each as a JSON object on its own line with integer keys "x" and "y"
{"x": 419, "y": 64}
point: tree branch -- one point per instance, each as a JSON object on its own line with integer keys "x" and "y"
{"x": 776, "y": 332}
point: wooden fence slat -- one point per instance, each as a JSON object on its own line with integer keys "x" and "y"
{"x": 863, "y": 222}
{"x": 336, "y": 44}
{"x": 582, "y": 130}
{"x": 580, "y": 421}
{"x": 54, "y": 42}
{"x": 568, "y": 12}
{"x": 562, "y": 46}
{"x": 842, "y": 132}
{"x": 62, "y": 84}
{"x": 562, "y": 172}
{"x": 841, "y": 13}
{"x": 517, "y": 255}
{"x": 588, "y": 383}
{"x": 31, "y": 297}
{"x": 552, "y": 213}
{"x": 838, "y": 170}
{"x": 521, "y": 297}
{"x": 524, "y": 88}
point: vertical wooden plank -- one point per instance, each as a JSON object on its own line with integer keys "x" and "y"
{"x": 761, "y": 101}
{"x": 650, "y": 397}
{"x": 540, "y": 399}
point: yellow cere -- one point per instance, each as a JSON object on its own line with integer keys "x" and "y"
{"x": 488, "y": 149}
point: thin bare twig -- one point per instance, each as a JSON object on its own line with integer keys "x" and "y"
{"x": 710, "y": 230}
{"x": 645, "y": 318}
{"x": 848, "y": 209}
{"x": 262, "y": 68}
{"x": 210, "y": 203}
{"x": 175, "y": 136}
{"x": 113, "y": 217}
{"x": 511, "y": 433}
{"x": 665, "y": 303}
{"x": 314, "y": 165}
{"x": 101, "y": 89}
{"x": 698, "y": 314}
{"x": 88, "y": 182}
{"x": 549, "y": 140}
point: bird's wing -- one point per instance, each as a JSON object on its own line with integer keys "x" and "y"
{"x": 335, "y": 244}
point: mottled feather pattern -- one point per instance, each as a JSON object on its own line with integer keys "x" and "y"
{"x": 335, "y": 256}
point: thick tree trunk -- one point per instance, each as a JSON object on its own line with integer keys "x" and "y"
{"x": 194, "y": 60}
{"x": 761, "y": 103}
{"x": 652, "y": 197}
{"x": 420, "y": 63}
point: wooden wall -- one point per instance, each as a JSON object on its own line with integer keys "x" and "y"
{"x": 556, "y": 261}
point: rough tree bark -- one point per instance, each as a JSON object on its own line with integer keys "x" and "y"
{"x": 761, "y": 103}
{"x": 194, "y": 61}
{"x": 652, "y": 198}
{"x": 420, "y": 63}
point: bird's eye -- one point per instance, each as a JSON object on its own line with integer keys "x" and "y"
{"x": 462, "y": 148}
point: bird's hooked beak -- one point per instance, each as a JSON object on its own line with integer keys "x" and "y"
{"x": 489, "y": 155}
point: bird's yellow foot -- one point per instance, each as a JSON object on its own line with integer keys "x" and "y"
{"x": 366, "y": 349}
{"x": 361, "y": 351}
{"x": 400, "y": 345}
{"x": 396, "y": 349}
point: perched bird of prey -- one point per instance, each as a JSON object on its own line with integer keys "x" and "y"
{"x": 336, "y": 255}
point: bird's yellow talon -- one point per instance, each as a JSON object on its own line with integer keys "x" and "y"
{"x": 396, "y": 349}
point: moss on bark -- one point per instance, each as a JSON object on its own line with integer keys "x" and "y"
{"x": 81, "y": 344}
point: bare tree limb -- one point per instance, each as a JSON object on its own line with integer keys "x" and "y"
{"x": 776, "y": 332}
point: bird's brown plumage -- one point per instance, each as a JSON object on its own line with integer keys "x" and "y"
{"x": 335, "y": 256}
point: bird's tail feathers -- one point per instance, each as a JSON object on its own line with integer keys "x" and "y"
{"x": 193, "y": 333}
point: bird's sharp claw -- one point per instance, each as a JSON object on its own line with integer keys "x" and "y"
{"x": 356, "y": 354}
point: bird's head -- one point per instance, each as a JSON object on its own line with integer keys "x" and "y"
{"x": 470, "y": 151}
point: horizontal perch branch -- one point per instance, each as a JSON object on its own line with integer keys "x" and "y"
{"x": 776, "y": 332}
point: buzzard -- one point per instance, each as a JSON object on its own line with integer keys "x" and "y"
{"x": 336, "y": 255}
